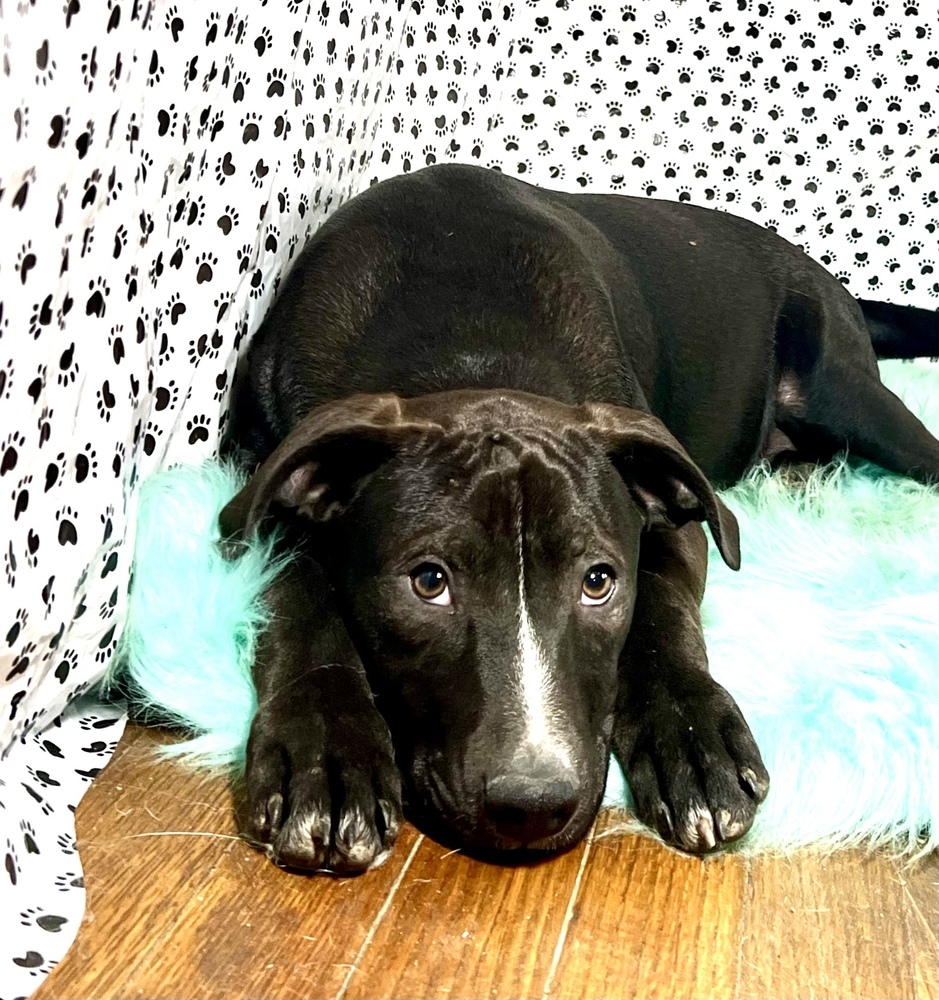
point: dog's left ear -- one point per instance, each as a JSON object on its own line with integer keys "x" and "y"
{"x": 323, "y": 463}
{"x": 660, "y": 474}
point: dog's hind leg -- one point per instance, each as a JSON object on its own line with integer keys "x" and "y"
{"x": 855, "y": 410}
{"x": 829, "y": 396}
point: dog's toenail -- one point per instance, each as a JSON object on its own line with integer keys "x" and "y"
{"x": 275, "y": 809}
{"x": 752, "y": 784}
{"x": 705, "y": 829}
{"x": 663, "y": 822}
{"x": 727, "y": 827}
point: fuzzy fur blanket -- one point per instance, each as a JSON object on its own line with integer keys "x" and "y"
{"x": 828, "y": 638}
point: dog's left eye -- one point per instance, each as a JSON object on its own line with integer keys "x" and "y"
{"x": 429, "y": 581}
{"x": 599, "y": 584}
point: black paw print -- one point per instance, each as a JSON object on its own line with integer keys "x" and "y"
{"x": 256, "y": 289}
{"x": 58, "y": 129}
{"x": 68, "y": 366}
{"x": 244, "y": 258}
{"x": 174, "y": 23}
{"x": 166, "y": 396}
{"x": 211, "y": 25}
{"x": 19, "y": 621}
{"x": 215, "y": 125}
{"x": 250, "y": 130}
{"x": 110, "y": 564}
{"x": 66, "y": 665}
{"x": 9, "y": 453}
{"x": 275, "y": 83}
{"x": 38, "y": 917}
{"x": 198, "y": 429}
{"x": 44, "y": 425}
{"x": 228, "y": 220}
{"x": 21, "y": 661}
{"x": 176, "y": 308}
{"x": 69, "y": 880}
{"x": 103, "y": 653}
{"x": 43, "y": 778}
{"x": 155, "y": 69}
{"x": 224, "y": 168}
{"x": 222, "y": 305}
{"x": 11, "y": 863}
{"x": 20, "y": 496}
{"x": 221, "y": 385}
{"x": 238, "y": 90}
{"x": 263, "y": 41}
{"x": 261, "y": 170}
{"x": 54, "y": 471}
{"x": 205, "y": 345}
{"x": 166, "y": 121}
{"x": 96, "y": 303}
{"x": 195, "y": 213}
{"x": 25, "y": 261}
{"x": 9, "y": 565}
{"x": 68, "y": 533}
{"x": 29, "y": 837}
{"x": 86, "y": 464}
{"x": 45, "y": 66}
{"x": 105, "y": 400}
{"x": 151, "y": 433}
{"x": 204, "y": 264}
{"x": 41, "y": 316}
{"x": 21, "y": 120}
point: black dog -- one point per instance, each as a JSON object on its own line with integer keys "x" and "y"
{"x": 493, "y": 414}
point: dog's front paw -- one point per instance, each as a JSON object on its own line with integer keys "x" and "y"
{"x": 693, "y": 767}
{"x": 321, "y": 795}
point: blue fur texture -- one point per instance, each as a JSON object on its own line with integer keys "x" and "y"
{"x": 193, "y": 617}
{"x": 828, "y": 638}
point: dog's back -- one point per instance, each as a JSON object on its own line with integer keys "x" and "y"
{"x": 457, "y": 277}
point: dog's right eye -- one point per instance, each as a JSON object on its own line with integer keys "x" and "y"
{"x": 429, "y": 581}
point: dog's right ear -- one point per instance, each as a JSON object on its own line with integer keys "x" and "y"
{"x": 323, "y": 463}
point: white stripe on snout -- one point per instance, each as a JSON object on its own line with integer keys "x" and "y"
{"x": 539, "y": 698}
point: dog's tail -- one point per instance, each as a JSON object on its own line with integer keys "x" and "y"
{"x": 901, "y": 331}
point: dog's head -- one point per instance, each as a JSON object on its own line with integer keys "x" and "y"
{"x": 484, "y": 549}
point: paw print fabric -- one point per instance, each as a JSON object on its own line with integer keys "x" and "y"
{"x": 163, "y": 163}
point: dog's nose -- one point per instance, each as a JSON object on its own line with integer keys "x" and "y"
{"x": 527, "y": 807}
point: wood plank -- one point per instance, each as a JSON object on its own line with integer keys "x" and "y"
{"x": 459, "y": 927}
{"x": 259, "y": 931}
{"x": 207, "y": 916}
{"x": 138, "y": 885}
{"x": 652, "y": 922}
{"x": 834, "y": 927}
{"x": 920, "y": 885}
{"x": 201, "y": 916}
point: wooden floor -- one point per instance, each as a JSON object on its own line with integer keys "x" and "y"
{"x": 179, "y": 907}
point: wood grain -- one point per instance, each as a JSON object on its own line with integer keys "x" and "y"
{"x": 469, "y": 929}
{"x": 839, "y": 927}
{"x": 665, "y": 923}
{"x": 178, "y": 906}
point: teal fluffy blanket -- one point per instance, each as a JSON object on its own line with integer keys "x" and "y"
{"x": 828, "y": 638}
